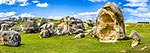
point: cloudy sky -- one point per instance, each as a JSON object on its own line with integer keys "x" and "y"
{"x": 133, "y": 10}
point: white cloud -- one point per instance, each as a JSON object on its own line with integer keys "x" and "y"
{"x": 11, "y": 2}
{"x": 8, "y": 2}
{"x": 140, "y": 12}
{"x": 87, "y": 15}
{"x": 72, "y": 12}
{"x": 42, "y": 4}
{"x": 136, "y": 3}
{"x": 133, "y": 19}
{"x": 98, "y": 0}
{"x": 119, "y": 3}
{"x": 7, "y": 14}
{"x": 55, "y": 17}
{"x": 26, "y": 15}
{"x": 135, "y": 15}
{"x": 24, "y": 4}
{"x": 35, "y": 1}
{"x": 22, "y": 1}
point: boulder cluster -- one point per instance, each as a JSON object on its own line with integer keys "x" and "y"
{"x": 10, "y": 36}
{"x": 70, "y": 25}
{"x": 109, "y": 27}
{"x": 67, "y": 25}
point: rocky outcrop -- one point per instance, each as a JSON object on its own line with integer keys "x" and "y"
{"x": 110, "y": 23}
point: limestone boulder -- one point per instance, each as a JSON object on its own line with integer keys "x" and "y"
{"x": 49, "y": 26}
{"x": 30, "y": 26}
{"x": 135, "y": 36}
{"x": 10, "y": 38}
{"x": 110, "y": 23}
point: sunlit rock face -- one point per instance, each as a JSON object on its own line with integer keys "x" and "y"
{"x": 110, "y": 23}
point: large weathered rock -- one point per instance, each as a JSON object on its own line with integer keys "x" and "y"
{"x": 70, "y": 25}
{"x": 10, "y": 38}
{"x": 134, "y": 35}
{"x": 110, "y": 23}
{"x": 47, "y": 30}
{"x": 31, "y": 26}
{"x": 49, "y": 26}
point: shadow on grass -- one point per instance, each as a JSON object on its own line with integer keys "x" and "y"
{"x": 12, "y": 46}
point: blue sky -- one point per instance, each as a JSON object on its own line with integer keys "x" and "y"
{"x": 133, "y": 10}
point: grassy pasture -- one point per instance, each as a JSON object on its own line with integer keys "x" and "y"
{"x": 31, "y": 43}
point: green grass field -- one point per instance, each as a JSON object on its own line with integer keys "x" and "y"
{"x": 31, "y": 43}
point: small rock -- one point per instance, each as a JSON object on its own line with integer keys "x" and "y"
{"x": 80, "y": 35}
{"x": 144, "y": 48}
{"x": 134, "y": 35}
{"x": 123, "y": 51}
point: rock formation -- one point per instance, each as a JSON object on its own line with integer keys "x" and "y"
{"x": 110, "y": 23}
{"x": 47, "y": 30}
{"x": 45, "y": 33}
{"x": 70, "y": 25}
{"x": 134, "y": 35}
{"x": 10, "y": 38}
{"x": 31, "y": 26}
